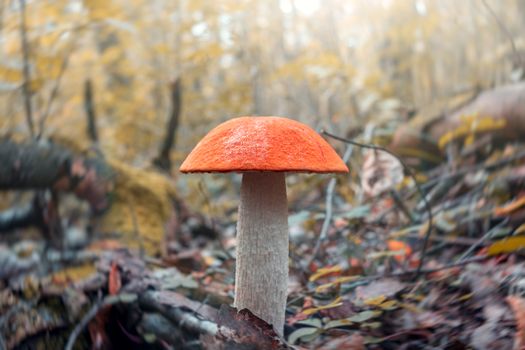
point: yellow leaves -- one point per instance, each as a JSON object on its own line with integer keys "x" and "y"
{"x": 101, "y": 9}
{"x": 11, "y": 78}
{"x": 48, "y": 66}
{"x": 337, "y": 302}
{"x": 210, "y": 51}
{"x": 112, "y": 55}
{"x": 317, "y": 66}
{"x": 73, "y": 274}
{"x": 325, "y": 271}
{"x": 10, "y": 74}
{"x": 470, "y": 125}
{"x": 162, "y": 49}
{"x": 507, "y": 245}
{"x": 382, "y": 303}
{"x": 336, "y": 282}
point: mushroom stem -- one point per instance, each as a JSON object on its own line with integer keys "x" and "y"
{"x": 261, "y": 278}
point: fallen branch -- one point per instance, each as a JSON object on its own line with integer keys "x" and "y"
{"x": 41, "y": 165}
{"x": 90, "y": 315}
{"x": 187, "y": 320}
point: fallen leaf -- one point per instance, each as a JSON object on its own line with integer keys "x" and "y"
{"x": 304, "y": 334}
{"x": 506, "y": 245}
{"x": 337, "y": 302}
{"x": 510, "y": 207}
{"x": 336, "y": 282}
{"x": 403, "y": 249}
{"x": 381, "y": 172}
{"x": 326, "y": 271}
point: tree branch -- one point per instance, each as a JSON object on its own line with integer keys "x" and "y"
{"x": 89, "y": 107}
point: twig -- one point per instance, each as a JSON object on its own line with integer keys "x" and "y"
{"x": 108, "y": 301}
{"x": 461, "y": 241}
{"x": 480, "y": 241}
{"x": 89, "y": 108}
{"x": 26, "y": 88}
{"x": 187, "y": 320}
{"x": 419, "y": 190}
{"x": 329, "y": 208}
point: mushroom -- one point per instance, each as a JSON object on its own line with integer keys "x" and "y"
{"x": 263, "y": 149}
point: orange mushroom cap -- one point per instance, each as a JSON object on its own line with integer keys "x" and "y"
{"x": 263, "y": 144}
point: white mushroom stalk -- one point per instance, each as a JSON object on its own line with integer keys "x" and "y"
{"x": 261, "y": 278}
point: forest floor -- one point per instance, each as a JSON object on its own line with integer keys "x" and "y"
{"x": 358, "y": 275}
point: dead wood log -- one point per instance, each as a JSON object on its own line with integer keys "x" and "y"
{"x": 504, "y": 105}
{"x": 40, "y": 165}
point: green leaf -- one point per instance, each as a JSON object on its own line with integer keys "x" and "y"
{"x": 338, "y": 323}
{"x": 364, "y": 316}
{"x": 357, "y": 212}
{"x": 303, "y": 334}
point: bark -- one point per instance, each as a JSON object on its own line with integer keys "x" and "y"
{"x": 261, "y": 278}
{"x": 39, "y": 165}
{"x": 89, "y": 107}
{"x": 505, "y": 103}
{"x": 163, "y": 160}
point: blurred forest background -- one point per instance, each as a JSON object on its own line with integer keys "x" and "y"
{"x": 327, "y": 63}
{"x": 108, "y": 80}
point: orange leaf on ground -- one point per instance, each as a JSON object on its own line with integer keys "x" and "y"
{"x": 510, "y": 207}
{"x": 399, "y": 246}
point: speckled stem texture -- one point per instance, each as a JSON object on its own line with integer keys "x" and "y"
{"x": 261, "y": 278}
